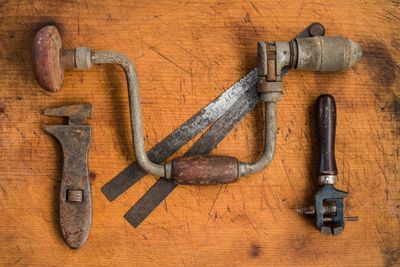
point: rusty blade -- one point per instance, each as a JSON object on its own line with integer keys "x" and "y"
{"x": 186, "y": 132}
{"x": 214, "y": 135}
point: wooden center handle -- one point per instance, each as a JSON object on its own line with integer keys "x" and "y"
{"x": 326, "y": 127}
{"x": 205, "y": 170}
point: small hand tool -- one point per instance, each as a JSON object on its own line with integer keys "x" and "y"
{"x": 329, "y": 201}
{"x": 75, "y": 196}
{"x": 275, "y": 60}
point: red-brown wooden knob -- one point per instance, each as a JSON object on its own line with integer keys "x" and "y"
{"x": 46, "y": 55}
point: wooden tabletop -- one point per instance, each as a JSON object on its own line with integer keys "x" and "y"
{"x": 186, "y": 54}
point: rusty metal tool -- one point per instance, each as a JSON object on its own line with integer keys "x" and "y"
{"x": 220, "y": 107}
{"x": 328, "y": 208}
{"x": 319, "y": 53}
{"x": 163, "y": 187}
{"x": 75, "y": 196}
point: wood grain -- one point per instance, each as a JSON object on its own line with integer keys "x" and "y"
{"x": 187, "y": 53}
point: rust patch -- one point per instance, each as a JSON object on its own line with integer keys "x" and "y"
{"x": 93, "y": 176}
{"x": 255, "y": 250}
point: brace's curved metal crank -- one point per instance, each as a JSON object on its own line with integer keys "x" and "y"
{"x": 317, "y": 53}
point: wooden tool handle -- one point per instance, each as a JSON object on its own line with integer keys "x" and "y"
{"x": 46, "y": 57}
{"x": 326, "y": 127}
{"x": 205, "y": 170}
{"x": 51, "y": 59}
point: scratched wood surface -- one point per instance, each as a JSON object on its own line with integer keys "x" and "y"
{"x": 187, "y": 53}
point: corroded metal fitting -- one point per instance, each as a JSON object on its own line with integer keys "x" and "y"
{"x": 269, "y": 91}
{"x": 320, "y": 53}
{"x": 326, "y": 53}
{"x": 83, "y": 58}
{"x": 327, "y": 179}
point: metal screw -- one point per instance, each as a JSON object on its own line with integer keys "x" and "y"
{"x": 75, "y": 195}
{"x": 328, "y": 210}
{"x": 307, "y": 210}
{"x": 316, "y": 29}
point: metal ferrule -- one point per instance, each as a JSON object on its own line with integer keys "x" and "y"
{"x": 327, "y": 179}
{"x": 83, "y": 58}
{"x": 327, "y": 53}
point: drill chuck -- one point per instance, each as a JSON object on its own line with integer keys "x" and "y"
{"x": 326, "y": 53}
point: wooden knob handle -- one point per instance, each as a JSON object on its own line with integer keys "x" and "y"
{"x": 205, "y": 170}
{"x": 46, "y": 56}
{"x": 326, "y": 127}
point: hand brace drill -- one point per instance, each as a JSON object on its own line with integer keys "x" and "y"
{"x": 318, "y": 53}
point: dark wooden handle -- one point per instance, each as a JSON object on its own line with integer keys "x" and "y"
{"x": 326, "y": 127}
{"x": 205, "y": 170}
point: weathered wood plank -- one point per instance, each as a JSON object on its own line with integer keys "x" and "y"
{"x": 186, "y": 54}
